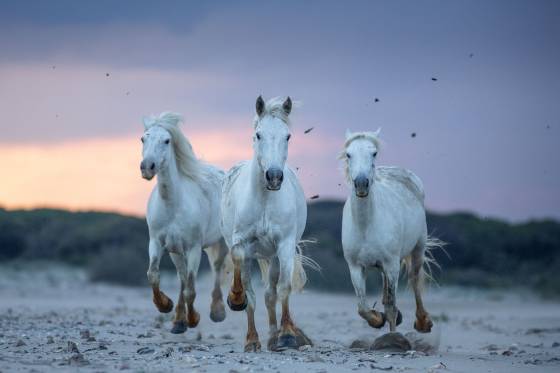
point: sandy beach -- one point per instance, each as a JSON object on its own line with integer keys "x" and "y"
{"x": 52, "y": 318}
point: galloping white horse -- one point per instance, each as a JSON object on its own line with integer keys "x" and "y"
{"x": 183, "y": 217}
{"x": 384, "y": 224}
{"x": 263, "y": 217}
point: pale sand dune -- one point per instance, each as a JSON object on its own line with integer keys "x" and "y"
{"x": 477, "y": 331}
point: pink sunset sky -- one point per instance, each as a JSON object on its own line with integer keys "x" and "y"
{"x": 486, "y": 130}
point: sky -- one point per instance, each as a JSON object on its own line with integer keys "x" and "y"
{"x": 77, "y": 77}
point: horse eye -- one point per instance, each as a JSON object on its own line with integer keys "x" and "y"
{"x": 142, "y": 139}
{"x": 167, "y": 141}
{"x": 258, "y": 136}
{"x": 288, "y": 137}
{"x": 348, "y": 155}
{"x": 374, "y": 154}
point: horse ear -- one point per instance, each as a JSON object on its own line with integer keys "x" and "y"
{"x": 147, "y": 122}
{"x": 287, "y": 106}
{"x": 260, "y": 106}
{"x": 376, "y": 133}
{"x": 348, "y": 134}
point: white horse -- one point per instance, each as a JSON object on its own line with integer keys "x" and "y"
{"x": 263, "y": 217}
{"x": 384, "y": 224}
{"x": 183, "y": 217}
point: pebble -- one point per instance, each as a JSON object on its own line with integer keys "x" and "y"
{"x": 50, "y": 339}
{"x": 145, "y": 350}
{"x": 72, "y": 347}
{"x": 20, "y": 343}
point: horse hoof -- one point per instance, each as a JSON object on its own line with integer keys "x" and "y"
{"x": 424, "y": 325}
{"x": 285, "y": 342}
{"x": 237, "y": 307}
{"x": 253, "y": 346}
{"x": 378, "y": 324}
{"x": 218, "y": 313}
{"x": 179, "y": 327}
{"x": 399, "y": 317}
{"x": 192, "y": 319}
{"x": 165, "y": 308}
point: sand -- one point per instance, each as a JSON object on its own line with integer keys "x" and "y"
{"x": 52, "y": 318}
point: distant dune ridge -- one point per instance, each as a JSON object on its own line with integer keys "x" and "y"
{"x": 482, "y": 252}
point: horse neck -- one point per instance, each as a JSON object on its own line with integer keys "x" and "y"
{"x": 168, "y": 181}
{"x": 363, "y": 209}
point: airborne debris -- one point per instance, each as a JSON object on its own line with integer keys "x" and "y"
{"x": 471, "y": 55}
{"x": 107, "y": 74}
{"x": 314, "y": 197}
{"x": 308, "y": 130}
{"x": 434, "y": 79}
{"x": 376, "y": 100}
{"x": 413, "y": 134}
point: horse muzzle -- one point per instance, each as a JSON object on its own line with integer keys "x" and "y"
{"x": 274, "y": 178}
{"x": 361, "y": 185}
{"x": 148, "y": 169}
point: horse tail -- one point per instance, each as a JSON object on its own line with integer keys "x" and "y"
{"x": 299, "y": 277}
{"x": 429, "y": 261}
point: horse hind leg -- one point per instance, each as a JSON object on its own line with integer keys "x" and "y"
{"x": 270, "y": 299}
{"x": 193, "y": 263}
{"x": 416, "y": 274}
{"x": 161, "y": 301}
{"x": 180, "y": 319}
{"x": 217, "y": 256}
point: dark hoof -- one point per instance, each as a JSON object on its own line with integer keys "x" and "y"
{"x": 424, "y": 325}
{"x": 285, "y": 342}
{"x": 382, "y": 323}
{"x": 218, "y": 313}
{"x": 399, "y": 317}
{"x": 164, "y": 309}
{"x": 179, "y": 327}
{"x": 272, "y": 343}
{"x": 237, "y": 307}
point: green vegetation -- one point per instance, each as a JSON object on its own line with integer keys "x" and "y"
{"x": 482, "y": 252}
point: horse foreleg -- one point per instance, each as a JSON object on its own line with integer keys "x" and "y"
{"x": 162, "y": 301}
{"x": 423, "y": 322}
{"x": 374, "y": 318}
{"x": 391, "y": 274}
{"x": 385, "y": 299}
{"x": 270, "y": 298}
{"x": 180, "y": 320}
{"x": 193, "y": 263}
{"x": 252, "y": 343}
{"x": 237, "y": 300}
{"x": 289, "y": 335}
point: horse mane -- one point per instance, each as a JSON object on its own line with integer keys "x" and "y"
{"x": 350, "y": 137}
{"x": 187, "y": 163}
{"x": 273, "y": 108}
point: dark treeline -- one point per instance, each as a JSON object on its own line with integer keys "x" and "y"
{"x": 113, "y": 247}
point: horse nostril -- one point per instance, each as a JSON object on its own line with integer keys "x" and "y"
{"x": 142, "y": 166}
{"x": 267, "y": 175}
{"x": 153, "y": 165}
{"x": 281, "y": 176}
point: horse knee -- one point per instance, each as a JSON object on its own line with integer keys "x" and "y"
{"x": 153, "y": 277}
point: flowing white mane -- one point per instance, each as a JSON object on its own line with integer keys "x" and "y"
{"x": 273, "y": 108}
{"x": 350, "y": 137}
{"x": 187, "y": 163}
